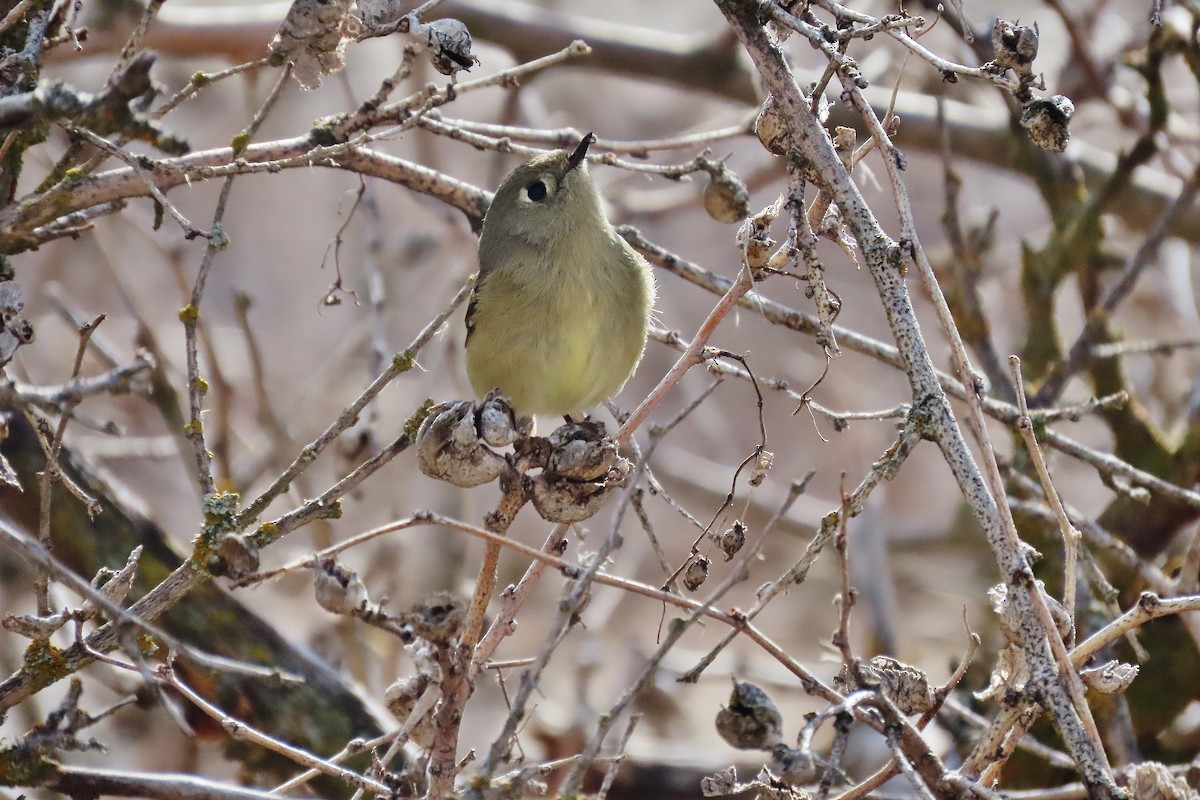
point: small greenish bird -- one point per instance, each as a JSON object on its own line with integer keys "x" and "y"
{"x": 562, "y": 304}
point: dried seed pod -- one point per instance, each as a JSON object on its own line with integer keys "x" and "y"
{"x": 771, "y": 129}
{"x": 905, "y": 685}
{"x": 449, "y": 448}
{"x": 762, "y": 465}
{"x": 726, "y": 198}
{"x": 732, "y": 539}
{"x": 696, "y": 573}
{"x": 1015, "y": 46}
{"x": 750, "y": 721}
{"x": 338, "y": 589}
{"x": 313, "y": 37}
{"x": 439, "y": 617}
{"x": 377, "y": 13}
{"x": 1111, "y": 677}
{"x": 498, "y": 423}
{"x": 1047, "y": 120}
{"x": 581, "y": 468}
{"x": 720, "y": 783}
{"x": 449, "y": 43}
{"x": 754, "y": 237}
{"x": 401, "y": 697}
{"x": 1151, "y": 780}
{"x": 844, "y": 140}
{"x": 758, "y": 250}
{"x": 234, "y": 556}
{"x": 565, "y": 500}
{"x": 15, "y": 330}
{"x": 580, "y": 451}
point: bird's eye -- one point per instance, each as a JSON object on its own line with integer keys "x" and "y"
{"x": 536, "y": 191}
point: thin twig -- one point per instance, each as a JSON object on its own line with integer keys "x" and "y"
{"x": 1070, "y": 534}
{"x": 240, "y": 730}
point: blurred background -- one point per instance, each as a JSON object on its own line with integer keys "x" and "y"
{"x": 318, "y": 288}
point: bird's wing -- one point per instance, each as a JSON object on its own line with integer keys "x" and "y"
{"x": 484, "y": 269}
{"x": 471, "y": 311}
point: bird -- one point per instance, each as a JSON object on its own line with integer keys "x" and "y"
{"x": 561, "y": 307}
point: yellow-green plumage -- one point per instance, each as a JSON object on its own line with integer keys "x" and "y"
{"x": 560, "y": 311}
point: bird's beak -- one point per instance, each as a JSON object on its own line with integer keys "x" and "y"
{"x": 581, "y": 151}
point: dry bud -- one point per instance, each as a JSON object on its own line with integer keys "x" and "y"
{"x": 750, "y": 721}
{"x": 726, "y": 198}
{"x": 696, "y": 573}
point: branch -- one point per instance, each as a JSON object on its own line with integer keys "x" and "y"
{"x": 884, "y": 259}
